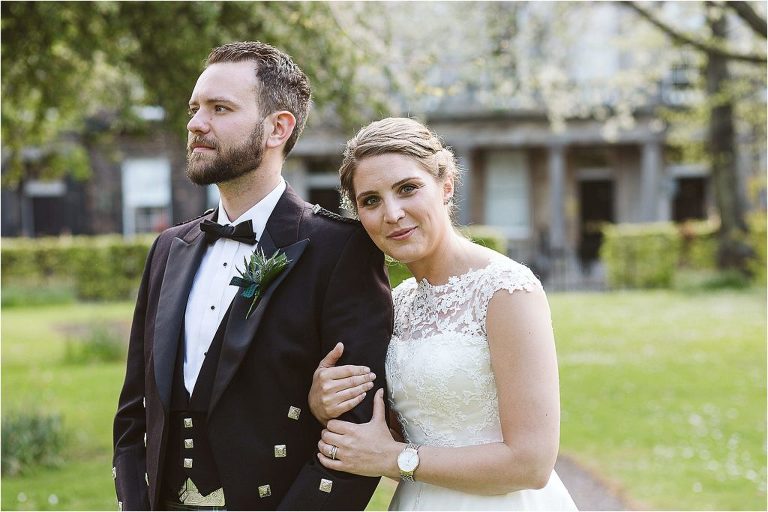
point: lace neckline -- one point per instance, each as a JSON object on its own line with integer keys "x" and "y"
{"x": 424, "y": 283}
{"x": 458, "y": 306}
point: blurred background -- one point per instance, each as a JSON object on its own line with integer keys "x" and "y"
{"x": 616, "y": 148}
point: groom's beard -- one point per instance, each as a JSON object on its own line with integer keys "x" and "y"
{"x": 228, "y": 164}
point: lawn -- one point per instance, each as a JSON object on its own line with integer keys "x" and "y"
{"x": 663, "y": 396}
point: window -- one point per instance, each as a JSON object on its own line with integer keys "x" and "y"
{"x": 507, "y": 193}
{"x": 146, "y": 195}
{"x": 50, "y": 215}
{"x": 151, "y": 219}
{"x": 690, "y": 199}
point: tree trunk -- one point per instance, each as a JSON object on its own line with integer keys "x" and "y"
{"x": 733, "y": 252}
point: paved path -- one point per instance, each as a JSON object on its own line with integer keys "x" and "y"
{"x": 587, "y": 490}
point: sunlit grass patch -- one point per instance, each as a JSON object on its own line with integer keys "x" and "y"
{"x": 663, "y": 395}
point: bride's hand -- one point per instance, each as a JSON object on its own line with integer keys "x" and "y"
{"x": 336, "y": 390}
{"x": 366, "y": 449}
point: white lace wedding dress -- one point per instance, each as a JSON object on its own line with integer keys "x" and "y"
{"x": 441, "y": 384}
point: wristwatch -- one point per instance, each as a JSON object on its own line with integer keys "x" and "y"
{"x": 408, "y": 461}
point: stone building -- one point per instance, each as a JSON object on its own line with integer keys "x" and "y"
{"x": 546, "y": 192}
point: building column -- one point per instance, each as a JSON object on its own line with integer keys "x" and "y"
{"x": 666, "y": 196}
{"x": 558, "y": 254}
{"x": 650, "y": 174}
{"x": 556, "y": 174}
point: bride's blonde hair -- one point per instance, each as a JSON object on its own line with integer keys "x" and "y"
{"x": 398, "y": 135}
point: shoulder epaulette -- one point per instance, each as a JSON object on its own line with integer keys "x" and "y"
{"x": 319, "y": 210}
{"x": 206, "y": 212}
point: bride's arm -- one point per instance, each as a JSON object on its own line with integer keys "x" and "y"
{"x": 525, "y": 367}
{"x": 338, "y": 389}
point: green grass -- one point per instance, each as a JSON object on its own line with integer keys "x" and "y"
{"x": 383, "y": 495}
{"x": 663, "y": 395}
{"x": 35, "y": 376}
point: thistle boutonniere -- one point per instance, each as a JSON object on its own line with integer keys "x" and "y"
{"x": 258, "y": 274}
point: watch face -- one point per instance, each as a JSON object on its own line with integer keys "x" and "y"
{"x": 408, "y": 460}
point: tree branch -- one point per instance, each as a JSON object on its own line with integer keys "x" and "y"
{"x": 750, "y": 17}
{"x": 687, "y": 39}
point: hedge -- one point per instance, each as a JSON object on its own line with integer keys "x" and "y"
{"x": 109, "y": 267}
{"x": 640, "y": 255}
{"x": 104, "y": 267}
{"x": 31, "y": 438}
{"x": 698, "y": 245}
{"x": 649, "y": 255}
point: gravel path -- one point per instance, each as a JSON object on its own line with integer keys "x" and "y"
{"x": 587, "y": 490}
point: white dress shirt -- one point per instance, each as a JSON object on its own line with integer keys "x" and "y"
{"x": 211, "y": 292}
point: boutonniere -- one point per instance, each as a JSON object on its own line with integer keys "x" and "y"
{"x": 258, "y": 274}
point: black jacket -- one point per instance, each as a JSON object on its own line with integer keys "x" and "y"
{"x": 334, "y": 289}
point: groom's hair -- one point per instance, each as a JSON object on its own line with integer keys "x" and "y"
{"x": 280, "y": 83}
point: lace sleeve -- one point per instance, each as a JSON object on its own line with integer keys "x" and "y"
{"x": 402, "y": 294}
{"x": 401, "y": 291}
{"x": 505, "y": 275}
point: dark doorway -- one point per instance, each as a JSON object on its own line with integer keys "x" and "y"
{"x": 596, "y": 205}
{"x": 690, "y": 199}
{"x": 49, "y": 214}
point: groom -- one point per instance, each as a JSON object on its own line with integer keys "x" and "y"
{"x": 213, "y": 413}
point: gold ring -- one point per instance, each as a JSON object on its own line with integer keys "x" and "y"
{"x": 334, "y": 449}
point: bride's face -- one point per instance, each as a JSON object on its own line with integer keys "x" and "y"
{"x": 402, "y": 206}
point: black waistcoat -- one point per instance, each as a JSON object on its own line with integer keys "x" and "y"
{"x": 188, "y": 443}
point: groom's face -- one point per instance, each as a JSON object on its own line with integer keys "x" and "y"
{"x": 225, "y": 137}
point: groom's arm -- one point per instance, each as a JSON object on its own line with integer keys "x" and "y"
{"x": 129, "y": 461}
{"x": 357, "y": 310}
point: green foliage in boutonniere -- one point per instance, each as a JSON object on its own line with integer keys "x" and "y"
{"x": 258, "y": 274}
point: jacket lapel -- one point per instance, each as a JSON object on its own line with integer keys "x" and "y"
{"x": 183, "y": 261}
{"x": 281, "y": 233}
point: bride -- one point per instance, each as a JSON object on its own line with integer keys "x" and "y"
{"x": 471, "y": 369}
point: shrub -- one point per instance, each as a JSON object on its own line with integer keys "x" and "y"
{"x": 486, "y": 236}
{"x": 398, "y": 272}
{"x": 757, "y": 240}
{"x": 36, "y": 260}
{"x": 101, "y": 343}
{"x": 109, "y": 268}
{"x": 104, "y": 267}
{"x": 640, "y": 255}
{"x": 30, "y": 439}
{"x": 698, "y": 249}
{"x": 15, "y": 295}
{"x": 663, "y": 254}
{"x": 693, "y": 281}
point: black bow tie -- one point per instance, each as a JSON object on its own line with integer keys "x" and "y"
{"x": 242, "y": 232}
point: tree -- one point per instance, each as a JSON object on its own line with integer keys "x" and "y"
{"x": 66, "y": 64}
{"x": 733, "y": 251}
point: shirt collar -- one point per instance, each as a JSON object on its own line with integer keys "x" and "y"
{"x": 259, "y": 213}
